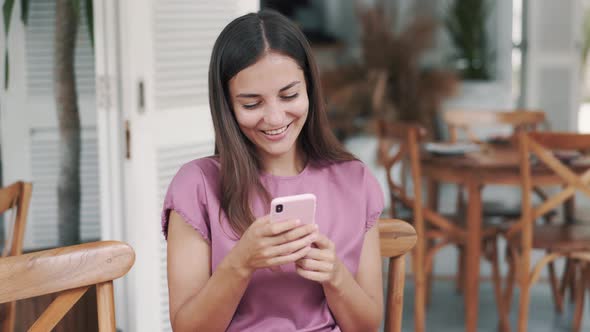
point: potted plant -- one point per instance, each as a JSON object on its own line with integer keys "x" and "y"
{"x": 465, "y": 22}
{"x": 389, "y": 82}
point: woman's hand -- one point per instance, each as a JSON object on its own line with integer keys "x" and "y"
{"x": 268, "y": 245}
{"x": 320, "y": 264}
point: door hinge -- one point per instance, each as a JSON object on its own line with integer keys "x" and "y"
{"x": 141, "y": 97}
{"x": 127, "y": 140}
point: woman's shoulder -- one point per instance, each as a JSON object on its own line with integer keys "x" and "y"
{"x": 199, "y": 169}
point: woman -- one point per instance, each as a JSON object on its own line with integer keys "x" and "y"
{"x": 229, "y": 267}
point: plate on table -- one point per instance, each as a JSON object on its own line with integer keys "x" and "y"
{"x": 500, "y": 139}
{"x": 451, "y": 149}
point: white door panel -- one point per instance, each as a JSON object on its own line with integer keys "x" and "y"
{"x": 553, "y": 60}
{"x": 162, "y": 57}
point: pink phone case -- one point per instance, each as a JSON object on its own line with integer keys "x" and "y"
{"x": 300, "y": 207}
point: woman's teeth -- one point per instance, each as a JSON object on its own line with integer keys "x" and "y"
{"x": 275, "y": 131}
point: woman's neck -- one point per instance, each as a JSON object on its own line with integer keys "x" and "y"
{"x": 288, "y": 164}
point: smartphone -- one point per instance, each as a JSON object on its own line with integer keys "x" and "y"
{"x": 300, "y": 207}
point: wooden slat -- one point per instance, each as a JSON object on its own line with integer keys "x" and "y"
{"x": 18, "y": 233}
{"x": 534, "y": 276}
{"x": 58, "y": 269}
{"x": 57, "y": 309}
{"x": 81, "y": 317}
{"x": 558, "y": 167}
{"x": 562, "y": 140}
{"x": 8, "y": 195}
{"x": 471, "y": 118}
{"x": 585, "y": 255}
{"x": 555, "y": 200}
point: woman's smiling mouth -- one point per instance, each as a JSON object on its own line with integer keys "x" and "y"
{"x": 275, "y": 132}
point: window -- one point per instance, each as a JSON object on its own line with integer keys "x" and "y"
{"x": 518, "y": 51}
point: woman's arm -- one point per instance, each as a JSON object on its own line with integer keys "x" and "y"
{"x": 201, "y": 301}
{"x": 198, "y": 300}
{"x": 356, "y": 303}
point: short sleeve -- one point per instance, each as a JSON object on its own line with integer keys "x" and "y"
{"x": 374, "y": 199}
{"x": 187, "y": 196}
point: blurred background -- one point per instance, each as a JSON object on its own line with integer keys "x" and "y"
{"x": 110, "y": 124}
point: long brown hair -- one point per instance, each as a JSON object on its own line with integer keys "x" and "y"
{"x": 241, "y": 43}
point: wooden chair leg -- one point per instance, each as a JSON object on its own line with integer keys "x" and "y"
{"x": 105, "y": 300}
{"x": 419, "y": 289}
{"x": 573, "y": 285}
{"x": 557, "y": 300}
{"x": 395, "y": 294}
{"x": 8, "y": 321}
{"x": 429, "y": 279}
{"x": 510, "y": 279}
{"x": 428, "y": 271}
{"x": 581, "y": 275}
{"x": 504, "y": 321}
{"x": 497, "y": 280}
{"x": 523, "y": 305}
{"x": 460, "y": 281}
{"x": 568, "y": 274}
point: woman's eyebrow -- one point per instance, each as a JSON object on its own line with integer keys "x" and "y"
{"x": 255, "y": 95}
{"x": 290, "y": 85}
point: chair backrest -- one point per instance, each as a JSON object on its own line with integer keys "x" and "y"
{"x": 71, "y": 271}
{"x": 467, "y": 120}
{"x": 14, "y": 205}
{"x": 543, "y": 146}
{"x": 407, "y": 136}
{"x": 16, "y": 198}
{"x": 396, "y": 237}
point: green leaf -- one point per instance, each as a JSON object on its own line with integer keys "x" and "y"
{"x": 24, "y": 11}
{"x": 6, "y": 72}
{"x": 7, "y": 13}
{"x": 90, "y": 21}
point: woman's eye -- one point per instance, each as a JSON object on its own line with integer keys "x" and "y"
{"x": 251, "y": 106}
{"x": 290, "y": 96}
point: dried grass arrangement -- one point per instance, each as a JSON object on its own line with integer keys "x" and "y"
{"x": 389, "y": 82}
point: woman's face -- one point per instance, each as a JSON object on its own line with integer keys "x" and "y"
{"x": 270, "y": 103}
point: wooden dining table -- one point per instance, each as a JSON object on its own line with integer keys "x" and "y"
{"x": 492, "y": 165}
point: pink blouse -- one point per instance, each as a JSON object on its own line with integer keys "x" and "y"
{"x": 349, "y": 201}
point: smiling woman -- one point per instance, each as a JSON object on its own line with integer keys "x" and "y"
{"x": 272, "y": 117}
{"x": 229, "y": 267}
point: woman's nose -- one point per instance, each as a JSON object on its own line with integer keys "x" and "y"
{"x": 274, "y": 115}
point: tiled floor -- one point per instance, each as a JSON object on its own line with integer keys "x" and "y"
{"x": 445, "y": 313}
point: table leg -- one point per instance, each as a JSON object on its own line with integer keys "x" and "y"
{"x": 418, "y": 258}
{"x": 473, "y": 248}
{"x": 432, "y": 190}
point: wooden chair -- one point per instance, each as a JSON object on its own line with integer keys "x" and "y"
{"x": 466, "y": 121}
{"x": 463, "y": 122}
{"x": 397, "y": 237}
{"x": 430, "y": 225}
{"x": 558, "y": 241}
{"x": 16, "y": 198}
{"x": 70, "y": 270}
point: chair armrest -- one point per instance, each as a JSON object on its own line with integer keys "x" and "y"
{"x": 396, "y": 236}
{"x": 58, "y": 269}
